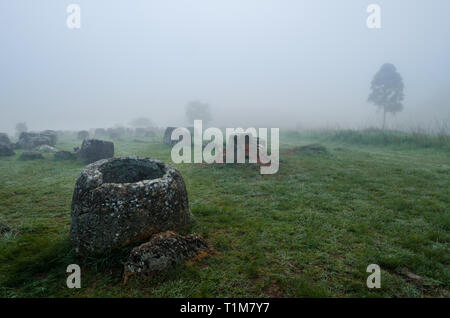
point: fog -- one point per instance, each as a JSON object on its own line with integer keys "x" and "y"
{"x": 263, "y": 63}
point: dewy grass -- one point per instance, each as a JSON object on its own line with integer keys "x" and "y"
{"x": 310, "y": 230}
{"x": 387, "y": 138}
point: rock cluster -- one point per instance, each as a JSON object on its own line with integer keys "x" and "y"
{"x": 163, "y": 251}
{"x": 31, "y": 140}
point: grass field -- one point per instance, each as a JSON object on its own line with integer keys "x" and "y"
{"x": 310, "y": 230}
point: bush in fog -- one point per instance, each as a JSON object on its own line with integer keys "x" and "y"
{"x": 20, "y": 128}
{"x": 196, "y": 110}
{"x": 387, "y": 90}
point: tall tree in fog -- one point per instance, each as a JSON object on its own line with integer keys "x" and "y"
{"x": 387, "y": 90}
{"x": 196, "y": 110}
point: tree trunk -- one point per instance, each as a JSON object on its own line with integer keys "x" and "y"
{"x": 384, "y": 119}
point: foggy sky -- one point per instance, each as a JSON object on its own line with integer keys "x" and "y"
{"x": 266, "y": 63}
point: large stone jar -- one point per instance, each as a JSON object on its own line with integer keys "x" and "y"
{"x": 120, "y": 201}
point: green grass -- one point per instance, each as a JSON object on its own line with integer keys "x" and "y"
{"x": 387, "y": 138}
{"x": 310, "y": 230}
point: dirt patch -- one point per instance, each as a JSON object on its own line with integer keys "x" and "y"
{"x": 273, "y": 291}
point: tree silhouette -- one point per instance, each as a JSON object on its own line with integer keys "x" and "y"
{"x": 197, "y": 110}
{"x": 21, "y": 127}
{"x": 387, "y": 90}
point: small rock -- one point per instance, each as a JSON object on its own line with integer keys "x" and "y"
{"x": 120, "y": 201}
{"x": 163, "y": 251}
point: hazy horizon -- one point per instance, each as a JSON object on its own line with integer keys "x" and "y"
{"x": 256, "y": 62}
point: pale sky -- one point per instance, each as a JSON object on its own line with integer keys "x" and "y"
{"x": 266, "y": 63}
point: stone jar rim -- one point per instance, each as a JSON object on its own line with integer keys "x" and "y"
{"x": 94, "y": 172}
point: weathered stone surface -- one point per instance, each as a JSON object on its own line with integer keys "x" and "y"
{"x": 46, "y": 148}
{"x": 167, "y": 136}
{"x": 95, "y": 149}
{"x": 4, "y": 139}
{"x": 52, "y": 135}
{"x": 64, "y": 155}
{"x": 6, "y": 150}
{"x": 31, "y": 155}
{"x": 162, "y": 252}
{"x": 126, "y": 200}
{"x": 31, "y": 140}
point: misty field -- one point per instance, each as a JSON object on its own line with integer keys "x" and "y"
{"x": 310, "y": 230}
